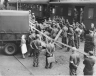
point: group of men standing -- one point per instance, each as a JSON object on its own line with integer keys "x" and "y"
{"x": 71, "y": 35}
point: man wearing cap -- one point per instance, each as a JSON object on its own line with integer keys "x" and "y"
{"x": 74, "y": 62}
{"x": 64, "y": 34}
{"x": 89, "y": 64}
{"x": 89, "y": 42}
{"x": 35, "y": 45}
{"x": 50, "y": 48}
{"x": 70, "y": 37}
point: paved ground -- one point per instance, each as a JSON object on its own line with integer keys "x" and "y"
{"x": 10, "y": 66}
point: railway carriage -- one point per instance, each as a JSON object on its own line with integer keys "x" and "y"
{"x": 65, "y": 8}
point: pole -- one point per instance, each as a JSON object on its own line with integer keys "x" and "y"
{"x": 58, "y": 41}
{"x": 17, "y": 4}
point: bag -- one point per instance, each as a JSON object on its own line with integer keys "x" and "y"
{"x": 51, "y": 59}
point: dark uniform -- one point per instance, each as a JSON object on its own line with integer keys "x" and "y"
{"x": 74, "y": 62}
{"x": 54, "y": 32}
{"x": 89, "y": 63}
{"x": 49, "y": 52}
{"x": 64, "y": 34}
{"x": 36, "y": 51}
{"x": 31, "y": 38}
{"x": 77, "y": 37}
{"x": 75, "y": 15}
{"x": 70, "y": 37}
{"x": 89, "y": 44}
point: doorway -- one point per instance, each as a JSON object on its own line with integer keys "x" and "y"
{"x": 78, "y": 8}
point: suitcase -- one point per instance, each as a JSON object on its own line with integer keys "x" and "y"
{"x": 51, "y": 59}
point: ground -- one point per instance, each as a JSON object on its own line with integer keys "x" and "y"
{"x": 10, "y": 66}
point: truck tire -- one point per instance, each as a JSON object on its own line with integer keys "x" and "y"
{"x": 10, "y": 49}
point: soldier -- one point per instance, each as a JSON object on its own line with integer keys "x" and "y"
{"x": 70, "y": 37}
{"x": 89, "y": 63}
{"x": 36, "y": 45}
{"x": 83, "y": 28}
{"x": 64, "y": 35}
{"x": 54, "y": 31}
{"x": 77, "y": 37}
{"x": 50, "y": 48}
{"x": 75, "y": 15}
{"x": 74, "y": 62}
{"x": 89, "y": 42}
{"x": 31, "y": 38}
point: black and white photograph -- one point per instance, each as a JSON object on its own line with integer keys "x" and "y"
{"x": 47, "y": 37}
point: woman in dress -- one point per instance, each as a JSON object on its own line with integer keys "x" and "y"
{"x": 23, "y": 46}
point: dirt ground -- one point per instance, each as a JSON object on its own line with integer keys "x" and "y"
{"x": 10, "y": 66}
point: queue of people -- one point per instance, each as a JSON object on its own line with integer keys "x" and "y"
{"x": 71, "y": 35}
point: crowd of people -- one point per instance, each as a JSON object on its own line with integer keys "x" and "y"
{"x": 72, "y": 35}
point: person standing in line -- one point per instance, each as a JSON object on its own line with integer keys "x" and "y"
{"x": 89, "y": 42}
{"x": 74, "y": 62}
{"x": 50, "y": 48}
{"x": 70, "y": 35}
{"x": 36, "y": 47}
{"x": 23, "y": 46}
{"x": 89, "y": 63}
{"x": 64, "y": 35}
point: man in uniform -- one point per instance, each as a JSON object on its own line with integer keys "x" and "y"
{"x": 64, "y": 34}
{"x": 89, "y": 42}
{"x": 54, "y": 31}
{"x": 32, "y": 37}
{"x": 70, "y": 37}
{"x": 74, "y": 62}
{"x": 75, "y": 15}
{"x": 77, "y": 37}
{"x": 36, "y": 45}
{"x": 50, "y": 48}
{"x": 89, "y": 63}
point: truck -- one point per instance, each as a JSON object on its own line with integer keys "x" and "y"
{"x": 13, "y": 24}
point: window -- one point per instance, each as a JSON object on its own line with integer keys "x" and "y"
{"x": 69, "y": 11}
{"x": 90, "y": 13}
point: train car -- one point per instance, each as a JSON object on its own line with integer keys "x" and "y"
{"x": 38, "y": 7}
{"x": 65, "y": 8}
{"x": 12, "y": 25}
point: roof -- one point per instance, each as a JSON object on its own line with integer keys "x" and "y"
{"x": 13, "y": 13}
{"x": 71, "y": 1}
{"x": 30, "y": 1}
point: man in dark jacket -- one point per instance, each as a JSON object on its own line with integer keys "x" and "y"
{"x": 74, "y": 62}
{"x": 89, "y": 63}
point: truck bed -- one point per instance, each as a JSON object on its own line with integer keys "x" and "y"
{"x": 13, "y": 24}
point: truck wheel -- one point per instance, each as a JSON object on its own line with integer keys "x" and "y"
{"x": 10, "y": 49}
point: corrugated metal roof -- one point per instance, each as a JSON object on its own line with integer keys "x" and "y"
{"x": 29, "y": 1}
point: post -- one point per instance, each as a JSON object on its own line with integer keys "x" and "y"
{"x": 17, "y": 4}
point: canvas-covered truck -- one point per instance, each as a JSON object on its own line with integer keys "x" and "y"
{"x": 12, "y": 25}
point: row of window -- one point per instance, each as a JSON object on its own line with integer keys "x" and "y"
{"x": 90, "y": 12}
